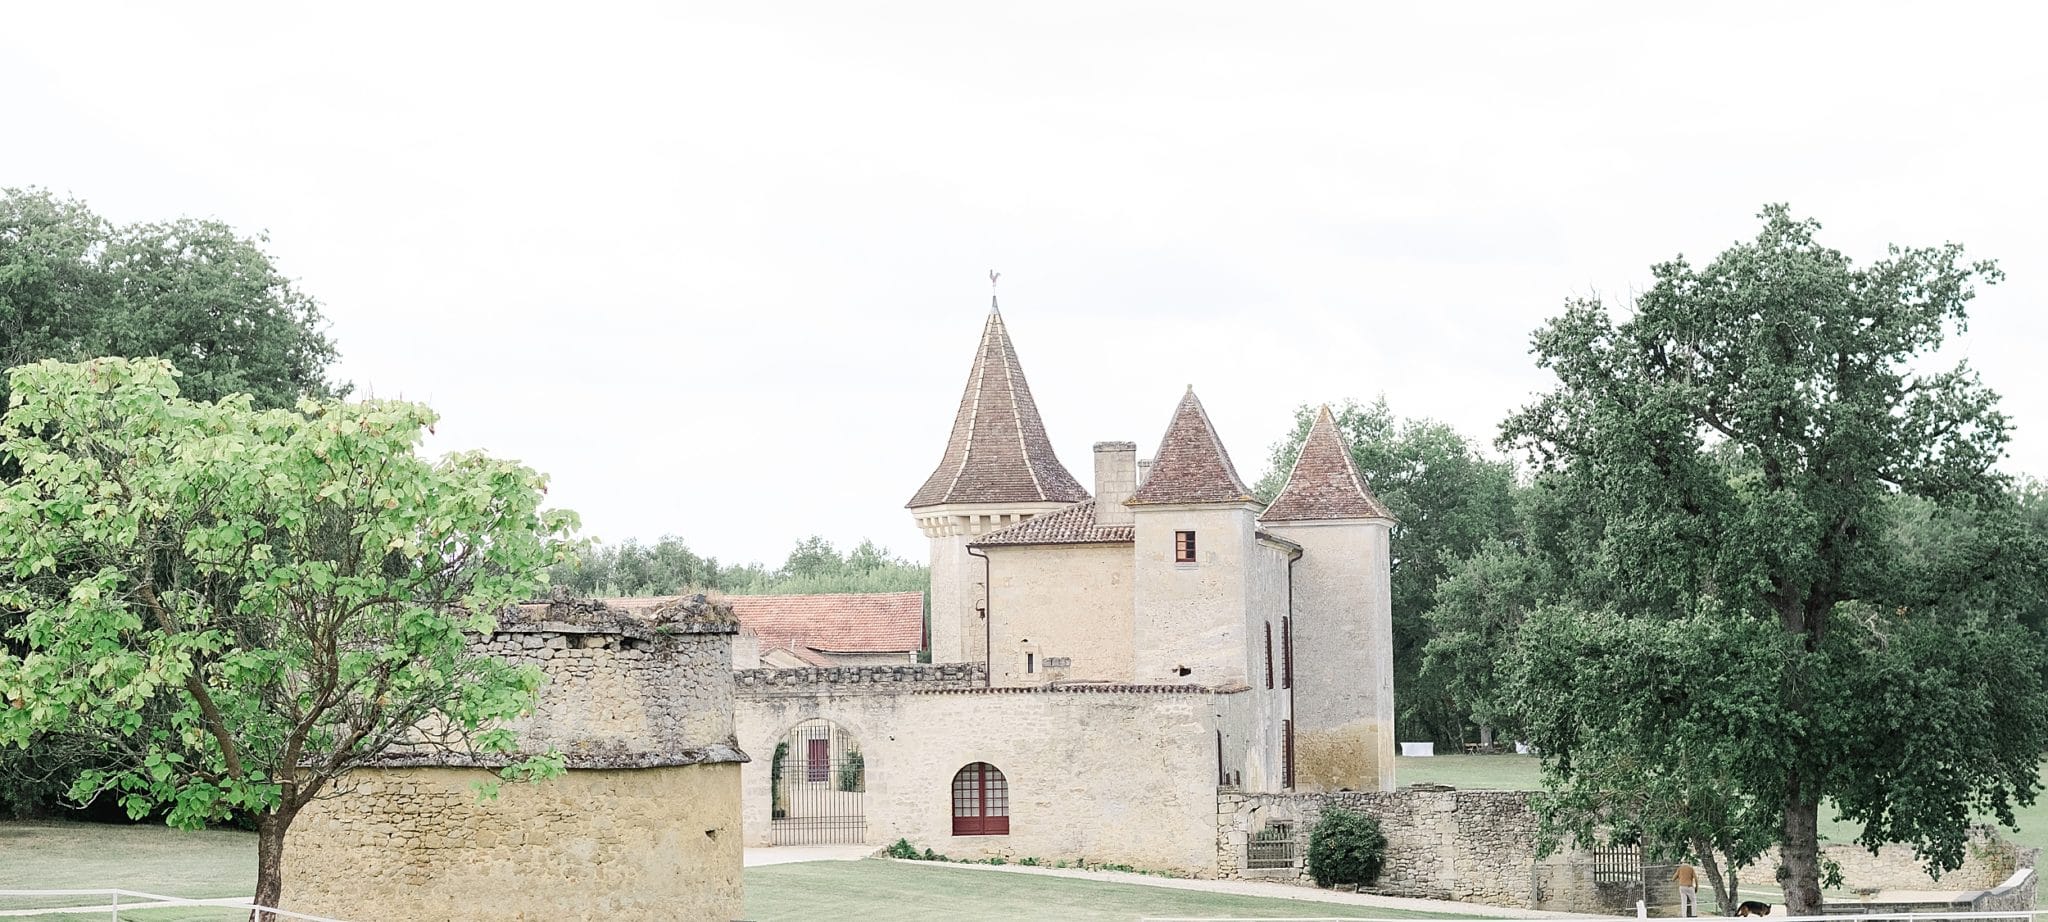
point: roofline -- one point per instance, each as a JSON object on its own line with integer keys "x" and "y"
{"x": 1050, "y": 543}
{"x": 1388, "y": 521}
{"x": 1250, "y": 501}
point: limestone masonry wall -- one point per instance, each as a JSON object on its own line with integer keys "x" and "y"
{"x": 418, "y": 843}
{"x": 1109, "y": 773}
{"x": 644, "y": 825}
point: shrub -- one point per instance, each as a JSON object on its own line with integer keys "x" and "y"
{"x": 853, "y": 772}
{"x": 1346, "y": 847}
{"x": 902, "y": 849}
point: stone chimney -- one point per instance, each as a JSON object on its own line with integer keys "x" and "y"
{"x": 1116, "y": 478}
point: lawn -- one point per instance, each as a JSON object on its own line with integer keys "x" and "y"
{"x": 212, "y": 863}
{"x": 152, "y": 859}
{"x": 1519, "y": 773}
{"x": 910, "y": 892}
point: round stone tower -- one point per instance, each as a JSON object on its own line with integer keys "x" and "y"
{"x": 998, "y": 469}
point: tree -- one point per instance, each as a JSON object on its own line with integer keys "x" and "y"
{"x": 1447, "y": 500}
{"x": 243, "y": 605}
{"x": 74, "y": 286}
{"x": 1739, "y": 440}
{"x": 669, "y": 567}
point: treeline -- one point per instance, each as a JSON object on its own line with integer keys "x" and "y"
{"x": 669, "y": 567}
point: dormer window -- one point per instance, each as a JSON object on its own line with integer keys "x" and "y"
{"x": 1183, "y": 547}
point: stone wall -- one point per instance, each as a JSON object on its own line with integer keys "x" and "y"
{"x": 1191, "y": 616}
{"x": 1122, "y": 774}
{"x": 858, "y": 679}
{"x": 644, "y": 825}
{"x": 1471, "y": 846}
{"x": 419, "y": 843}
{"x": 1069, "y": 606}
{"x": 1343, "y": 648}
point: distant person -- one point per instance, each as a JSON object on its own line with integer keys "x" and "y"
{"x": 1688, "y": 889}
{"x": 1753, "y": 908}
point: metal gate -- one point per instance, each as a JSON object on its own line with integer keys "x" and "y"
{"x": 819, "y": 781}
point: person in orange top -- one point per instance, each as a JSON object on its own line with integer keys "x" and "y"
{"x": 1688, "y": 889}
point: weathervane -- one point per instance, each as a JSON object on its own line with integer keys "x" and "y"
{"x": 992, "y": 276}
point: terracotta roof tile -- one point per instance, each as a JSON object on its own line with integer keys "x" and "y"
{"x": 998, "y": 451}
{"x": 1191, "y": 466}
{"x": 1324, "y": 483}
{"x": 1072, "y": 525}
{"x": 806, "y": 625}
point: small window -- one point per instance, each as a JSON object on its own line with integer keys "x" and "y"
{"x": 981, "y": 801}
{"x": 1269, "y": 654}
{"x": 1030, "y": 662}
{"x": 1183, "y": 547}
{"x": 1287, "y": 753}
{"x": 1286, "y": 652}
{"x": 818, "y": 760}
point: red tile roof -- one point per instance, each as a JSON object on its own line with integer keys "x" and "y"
{"x": 1072, "y": 525}
{"x": 998, "y": 451}
{"x": 805, "y": 625}
{"x": 1324, "y": 483}
{"x": 1191, "y": 466}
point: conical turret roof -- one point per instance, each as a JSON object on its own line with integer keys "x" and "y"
{"x": 1324, "y": 483}
{"x": 1191, "y": 466}
{"x": 998, "y": 451}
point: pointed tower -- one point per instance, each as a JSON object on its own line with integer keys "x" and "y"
{"x": 1340, "y": 625}
{"x": 1194, "y": 531}
{"x": 998, "y": 470}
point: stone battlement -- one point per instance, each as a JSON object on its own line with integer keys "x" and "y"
{"x": 859, "y": 679}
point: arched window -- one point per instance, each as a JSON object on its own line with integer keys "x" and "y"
{"x": 981, "y": 801}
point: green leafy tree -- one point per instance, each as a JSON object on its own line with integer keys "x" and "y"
{"x": 74, "y": 286}
{"x": 669, "y": 567}
{"x": 1737, "y": 441}
{"x": 243, "y": 605}
{"x": 1448, "y": 499}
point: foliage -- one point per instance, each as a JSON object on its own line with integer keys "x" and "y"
{"x": 243, "y": 605}
{"x": 1346, "y": 847}
{"x": 73, "y": 286}
{"x": 853, "y": 772}
{"x": 1740, "y": 452}
{"x": 669, "y": 567}
{"x": 778, "y": 808}
{"x": 1447, "y": 499}
{"x": 901, "y": 849}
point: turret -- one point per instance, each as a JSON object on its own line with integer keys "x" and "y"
{"x": 1194, "y": 527}
{"x": 998, "y": 470}
{"x": 1341, "y": 619}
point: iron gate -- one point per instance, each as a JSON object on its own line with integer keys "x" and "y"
{"x": 820, "y": 780}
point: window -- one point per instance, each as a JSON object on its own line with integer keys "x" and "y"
{"x": 1183, "y": 547}
{"x": 1030, "y": 662}
{"x": 1287, "y": 753}
{"x": 981, "y": 801}
{"x": 1269, "y": 654}
{"x": 1286, "y": 652}
{"x": 818, "y": 760}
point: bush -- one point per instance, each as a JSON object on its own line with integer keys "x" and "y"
{"x": 902, "y": 849}
{"x": 1346, "y": 847}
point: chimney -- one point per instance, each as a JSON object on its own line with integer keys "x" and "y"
{"x": 1116, "y": 478}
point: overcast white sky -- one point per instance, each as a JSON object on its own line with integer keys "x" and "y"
{"x": 719, "y": 269}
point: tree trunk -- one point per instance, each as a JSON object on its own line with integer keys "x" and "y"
{"x": 1724, "y": 893}
{"x": 270, "y": 830}
{"x": 1485, "y": 737}
{"x": 1800, "y": 849}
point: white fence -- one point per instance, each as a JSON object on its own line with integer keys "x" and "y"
{"x": 112, "y": 903}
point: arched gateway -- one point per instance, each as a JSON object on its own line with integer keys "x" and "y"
{"x": 817, "y": 782}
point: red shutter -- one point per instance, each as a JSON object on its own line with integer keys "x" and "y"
{"x": 1287, "y": 652}
{"x": 1269, "y": 654}
{"x": 818, "y": 760}
{"x": 1287, "y": 753}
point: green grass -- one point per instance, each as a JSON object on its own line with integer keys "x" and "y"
{"x": 909, "y": 892}
{"x": 1520, "y": 773}
{"x": 153, "y": 859}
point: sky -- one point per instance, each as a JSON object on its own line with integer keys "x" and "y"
{"x": 720, "y": 269}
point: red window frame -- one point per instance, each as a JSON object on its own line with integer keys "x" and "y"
{"x": 981, "y": 801}
{"x": 1287, "y": 753}
{"x": 1286, "y": 652}
{"x": 1183, "y": 547}
{"x": 818, "y": 759}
